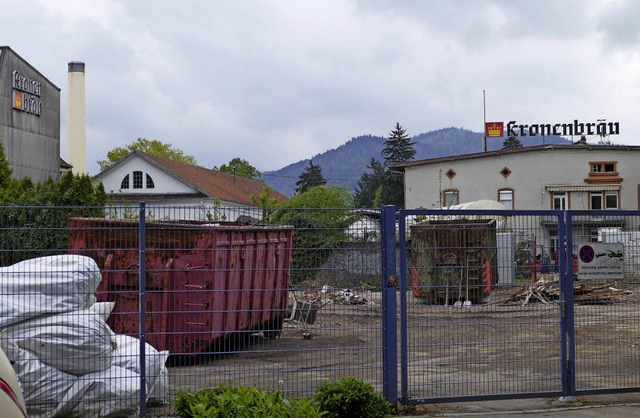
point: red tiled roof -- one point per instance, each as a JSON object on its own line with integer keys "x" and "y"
{"x": 215, "y": 183}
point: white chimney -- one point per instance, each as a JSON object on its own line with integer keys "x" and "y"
{"x": 76, "y": 119}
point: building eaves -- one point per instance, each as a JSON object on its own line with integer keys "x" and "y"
{"x": 214, "y": 183}
{"x": 510, "y": 151}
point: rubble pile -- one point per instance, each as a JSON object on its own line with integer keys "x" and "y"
{"x": 547, "y": 289}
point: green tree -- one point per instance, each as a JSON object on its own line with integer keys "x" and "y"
{"x": 369, "y": 184}
{"x": 241, "y": 168}
{"x": 310, "y": 177}
{"x": 320, "y": 216}
{"x": 35, "y": 217}
{"x": 265, "y": 201}
{"x": 5, "y": 168}
{"x": 512, "y": 142}
{"x": 154, "y": 147}
{"x": 398, "y": 148}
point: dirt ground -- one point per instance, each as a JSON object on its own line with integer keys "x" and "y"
{"x": 452, "y": 351}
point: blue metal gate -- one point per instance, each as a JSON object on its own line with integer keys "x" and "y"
{"x": 487, "y": 310}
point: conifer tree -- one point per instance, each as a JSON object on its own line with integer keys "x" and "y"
{"x": 310, "y": 177}
{"x": 368, "y": 185}
{"x": 398, "y": 148}
{"x": 512, "y": 142}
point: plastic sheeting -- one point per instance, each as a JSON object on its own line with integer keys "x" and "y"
{"x": 77, "y": 342}
{"x": 47, "y": 285}
{"x": 67, "y": 359}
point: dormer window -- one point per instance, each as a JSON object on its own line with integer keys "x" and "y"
{"x": 137, "y": 179}
{"x": 150, "y": 184}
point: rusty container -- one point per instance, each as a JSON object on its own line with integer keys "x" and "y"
{"x": 453, "y": 260}
{"x": 205, "y": 283}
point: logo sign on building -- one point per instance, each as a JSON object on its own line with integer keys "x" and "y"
{"x": 26, "y": 94}
{"x": 576, "y": 127}
{"x": 494, "y": 129}
{"x": 603, "y": 261}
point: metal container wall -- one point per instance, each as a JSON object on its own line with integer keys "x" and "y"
{"x": 204, "y": 282}
{"x": 453, "y": 260}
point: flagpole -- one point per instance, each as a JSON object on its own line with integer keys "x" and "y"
{"x": 484, "y": 126}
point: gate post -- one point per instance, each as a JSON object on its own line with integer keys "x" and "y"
{"x": 389, "y": 321}
{"x": 567, "y": 328}
{"x": 142, "y": 306}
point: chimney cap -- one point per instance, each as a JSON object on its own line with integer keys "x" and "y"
{"x": 76, "y": 67}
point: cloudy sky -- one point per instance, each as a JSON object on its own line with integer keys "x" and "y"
{"x": 278, "y": 81}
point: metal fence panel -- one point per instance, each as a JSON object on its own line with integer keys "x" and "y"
{"x": 470, "y": 326}
{"x": 281, "y": 301}
{"x": 607, "y": 302}
{"x": 508, "y": 304}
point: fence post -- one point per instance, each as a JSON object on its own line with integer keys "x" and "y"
{"x": 142, "y": 275}
{"x": 389, "y": 322}
{"x": 567, "y": 328}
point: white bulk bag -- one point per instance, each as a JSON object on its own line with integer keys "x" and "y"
{"x": 77, "y": 342}
{"x": 47, "y": 285}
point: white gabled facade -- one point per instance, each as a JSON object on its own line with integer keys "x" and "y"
{"x": 177, "y": 191}
{"x": 162, "y": 182}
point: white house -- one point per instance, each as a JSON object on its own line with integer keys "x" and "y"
{"x": 179, "y": 191}
{"x": 577, "y": 176}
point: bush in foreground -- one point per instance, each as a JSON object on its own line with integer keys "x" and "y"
{"x": 226, "y": 401}
{"x": 351, "y": 398}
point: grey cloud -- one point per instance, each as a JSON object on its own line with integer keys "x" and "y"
{"x": 619, "y": 23}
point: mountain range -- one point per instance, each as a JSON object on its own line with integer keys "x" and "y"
{"x": 343, "y": 166}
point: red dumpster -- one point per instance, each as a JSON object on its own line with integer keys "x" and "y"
{"x": 204, "y": 282}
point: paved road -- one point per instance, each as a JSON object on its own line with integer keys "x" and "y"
{"x": 619, "y": 405}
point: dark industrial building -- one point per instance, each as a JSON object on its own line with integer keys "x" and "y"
{"x": 29, "y": 119}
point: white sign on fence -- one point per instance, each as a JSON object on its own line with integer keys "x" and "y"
{"x": 601, "y": 261}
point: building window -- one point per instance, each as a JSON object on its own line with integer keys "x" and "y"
{"x": 450, "y": 197}
{"x": 603, "y": 172}
{"x": 559, "y": 201}
{"x": 611, "y": 200}
{"x": 505, "y": 196}
{"x": 600, "y": 167}
{"x": 137, "y": 179}
{"x": 505, "y": 172}
{"x": 125, "y": 182}
{"x": 604, "y": 200}
{"x": 450, "y": 174}
{"x": 150, "y": 184}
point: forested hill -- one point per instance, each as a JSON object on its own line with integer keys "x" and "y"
{"x": 344, "y": 165}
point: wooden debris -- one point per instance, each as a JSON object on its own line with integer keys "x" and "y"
{"x": 547, "y": 289}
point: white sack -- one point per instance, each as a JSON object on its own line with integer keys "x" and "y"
{"x": 47, "y": 285}
{"x": 110, "y": 393}
{"x": 127, "y": 355}
{"x": 77, "y": 342}
{"x": 103, "y": 309}
{"x": 42, "y": 386}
